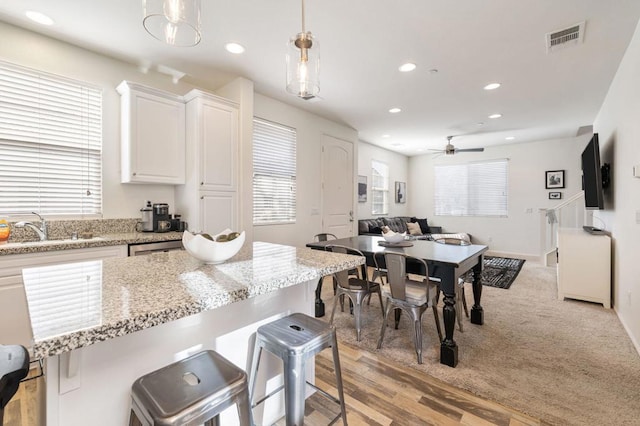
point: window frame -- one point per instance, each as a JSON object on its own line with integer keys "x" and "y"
{"x": 466, "y": 187}
{"x": 269, "y": 174}
{"x": 379, "y": 189}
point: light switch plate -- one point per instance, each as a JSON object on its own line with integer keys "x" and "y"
{"x": 638, "y": 217}
{"x": 636, "y": 171}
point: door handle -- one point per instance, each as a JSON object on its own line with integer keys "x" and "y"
{"x": 350, "y": 215}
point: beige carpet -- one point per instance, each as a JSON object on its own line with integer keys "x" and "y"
{"x": 565, "y": 362}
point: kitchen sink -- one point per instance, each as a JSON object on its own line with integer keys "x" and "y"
{"x": 53, "y": 242}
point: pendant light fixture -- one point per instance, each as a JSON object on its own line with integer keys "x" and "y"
{"x": 176, "y": 22}
{"x": 303, "y": 64}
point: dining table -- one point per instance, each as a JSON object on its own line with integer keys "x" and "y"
{"x": 446, "y": 262}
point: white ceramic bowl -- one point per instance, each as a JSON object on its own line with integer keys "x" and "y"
{"x": 211, "y": 251}
{"x": 394, "y": 237}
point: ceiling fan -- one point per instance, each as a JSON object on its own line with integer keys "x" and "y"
{"x": 449, "y": 149}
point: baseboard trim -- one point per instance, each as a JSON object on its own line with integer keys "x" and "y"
{"x": 529, "y": 257}
{"x": 635, "y": 343}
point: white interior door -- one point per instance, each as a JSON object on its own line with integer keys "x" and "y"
{"x": 337, "y": 186}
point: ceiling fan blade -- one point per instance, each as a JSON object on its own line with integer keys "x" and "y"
{"x": 436, "y": 150}
{"x": 470, "y": 150}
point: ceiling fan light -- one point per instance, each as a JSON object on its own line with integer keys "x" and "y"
{"x": 175, "y": 22}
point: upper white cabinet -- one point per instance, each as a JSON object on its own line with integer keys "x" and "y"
{"x": 208, "y": 200}
{"x": 153, "y": 135}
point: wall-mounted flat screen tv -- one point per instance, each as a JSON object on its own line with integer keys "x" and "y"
{"x": 592, "y": 175}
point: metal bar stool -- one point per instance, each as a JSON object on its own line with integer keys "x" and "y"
{"x": 192, "y": 391}
{"x": 294, "y": 339}
{"x": 14, "y": 366}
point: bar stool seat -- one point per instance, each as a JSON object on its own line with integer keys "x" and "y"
{"x": 192, "y": 391}
{"x": 14, "y": 366}
{"x": 294, "y": 339}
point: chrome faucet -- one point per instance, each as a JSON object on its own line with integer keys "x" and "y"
{"x": 41, "y": 231}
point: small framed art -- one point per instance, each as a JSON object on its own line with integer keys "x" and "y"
{"x": 555, "y": 195}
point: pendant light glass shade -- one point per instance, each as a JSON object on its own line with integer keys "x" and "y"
{"x": 303, "y": 66}
{"x": 176, "y": 22}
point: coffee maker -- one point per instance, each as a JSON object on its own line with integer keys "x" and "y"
{"x": 161, "y": 218}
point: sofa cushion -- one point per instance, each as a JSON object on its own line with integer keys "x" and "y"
{"x": 413, "y": 228}
{"x": 369, "y": 226}
{"x": 397, "y": 224}
{"x": 424, "y": 225}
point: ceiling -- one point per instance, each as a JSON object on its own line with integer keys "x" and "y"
{"x": 458, "y": 47}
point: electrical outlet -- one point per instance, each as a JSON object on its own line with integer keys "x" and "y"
{"x": 638, "y": 217}
{"x": 489, "y": 239}
{"x": 528, "y": 210}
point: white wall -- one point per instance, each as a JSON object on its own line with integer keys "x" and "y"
{"x": 519, "y": 233}
{"x": 29, "y": 49}
{"x": 309, "y": 130}
{"x": 398, "y": 172}
{"x": 618, "y": 127}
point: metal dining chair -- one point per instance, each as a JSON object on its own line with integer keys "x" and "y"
{"x": 325, "y": 236}
{"x": 461, "y": 299}
{"x": 355, "y": 288}
{"x": 410, "y": 296}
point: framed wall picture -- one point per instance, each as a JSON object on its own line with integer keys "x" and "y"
{"x": 401, "y": 192}
{"x": 554, "y": 179}
{"x": 555, "y": 195}
{"x": 362, "y": 189}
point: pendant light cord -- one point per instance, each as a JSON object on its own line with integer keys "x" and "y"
{"x": 303, "y": 31}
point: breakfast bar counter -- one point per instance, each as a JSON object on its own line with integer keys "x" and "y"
{"x": 99, "y": 325}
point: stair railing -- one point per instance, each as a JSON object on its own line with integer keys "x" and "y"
{"x": 571, "y": 213}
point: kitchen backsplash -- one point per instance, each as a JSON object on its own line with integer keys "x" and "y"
{"x": 64, "y": 229}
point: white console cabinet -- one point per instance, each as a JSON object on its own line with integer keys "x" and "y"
{"x": 584, "y": 266}
{"x": 152, "y": 136}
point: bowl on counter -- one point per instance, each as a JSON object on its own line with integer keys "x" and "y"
{"x": 394, "y": 237}
{"x": 209, "y": 251}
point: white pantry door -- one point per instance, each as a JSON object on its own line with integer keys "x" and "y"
{"x": 337, "y": 186}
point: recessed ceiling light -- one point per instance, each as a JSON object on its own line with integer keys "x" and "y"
{"x": 495, "y": 116}
{"x": 397, "y": 145}
{"x": 386, "y": 136}
{"x": 510, "y": 138}
{"x": 38, "y": 17}
{"x": 395, "y": 110}
{"x": 433, "y": 71}
{"x": 234, "y": 48}
{"x": 407, "y": 67}
{"x": 480, "y": 123}
{"x": 492, "y": 86}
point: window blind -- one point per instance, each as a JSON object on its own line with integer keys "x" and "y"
{"x": 274, "y": 173}
{"x": 379, "y": 187}
{"x": 50, "y": 144}
{"x": 473, "y": 189}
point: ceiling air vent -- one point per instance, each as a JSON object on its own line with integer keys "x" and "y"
{"x": 564, "y": 38}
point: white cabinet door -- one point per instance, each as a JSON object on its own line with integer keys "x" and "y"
{"x": 218, "y": 212}
{"x": 219, "y": 147}
{"x": 153, "y": 135}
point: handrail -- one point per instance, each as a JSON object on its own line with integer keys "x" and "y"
{"x": 568, "y": 201}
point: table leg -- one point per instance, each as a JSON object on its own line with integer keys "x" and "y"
{"x": 477, "y": 313}
{"x": 448, "y": 347}
{"x": 319, "y": 302}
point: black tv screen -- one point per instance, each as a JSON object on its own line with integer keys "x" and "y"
{"x": 592, "y": 175}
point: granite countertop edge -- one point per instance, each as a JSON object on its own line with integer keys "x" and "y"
{"x": 82, "y": 338}
{"x": 104, "y": 240}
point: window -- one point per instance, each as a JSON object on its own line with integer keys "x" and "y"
{"x": 379, "y": 188}
{"x": 474, "y": 189}
{"x": 274, "y": 173}
{"x": 50, "y": 144}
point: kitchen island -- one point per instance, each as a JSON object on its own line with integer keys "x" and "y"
{"x": 101, "y": 324}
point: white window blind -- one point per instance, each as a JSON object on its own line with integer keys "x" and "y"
{"x": 473, "y": 189}
{"x": 50, "y": 144}
{"x": 274, "y": 173}
{"x": 379, "y": 188}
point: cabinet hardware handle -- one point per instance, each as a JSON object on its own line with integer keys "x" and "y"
{"x": 133, "y": 173}
{"x": 201, "y": 183}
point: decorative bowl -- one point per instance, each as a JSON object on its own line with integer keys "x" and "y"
{"x": 211, "y": 252}
{"x": 394, "y": 237}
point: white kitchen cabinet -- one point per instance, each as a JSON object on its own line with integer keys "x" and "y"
{"x": 15, "y": 327}
{"x": 152, "y": 135}
{"x": 209, "y": 201}
{"x": 584, "y": 266}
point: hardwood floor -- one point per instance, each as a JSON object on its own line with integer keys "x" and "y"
{"x": 376, "y": 393}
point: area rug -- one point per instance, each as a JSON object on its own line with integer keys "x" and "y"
{"x": 564, "y": 362}
{"x": 500, "y": 271}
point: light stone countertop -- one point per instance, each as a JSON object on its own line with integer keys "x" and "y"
{"x": 97, "y": 241}
{"x": 76, "y": 305}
